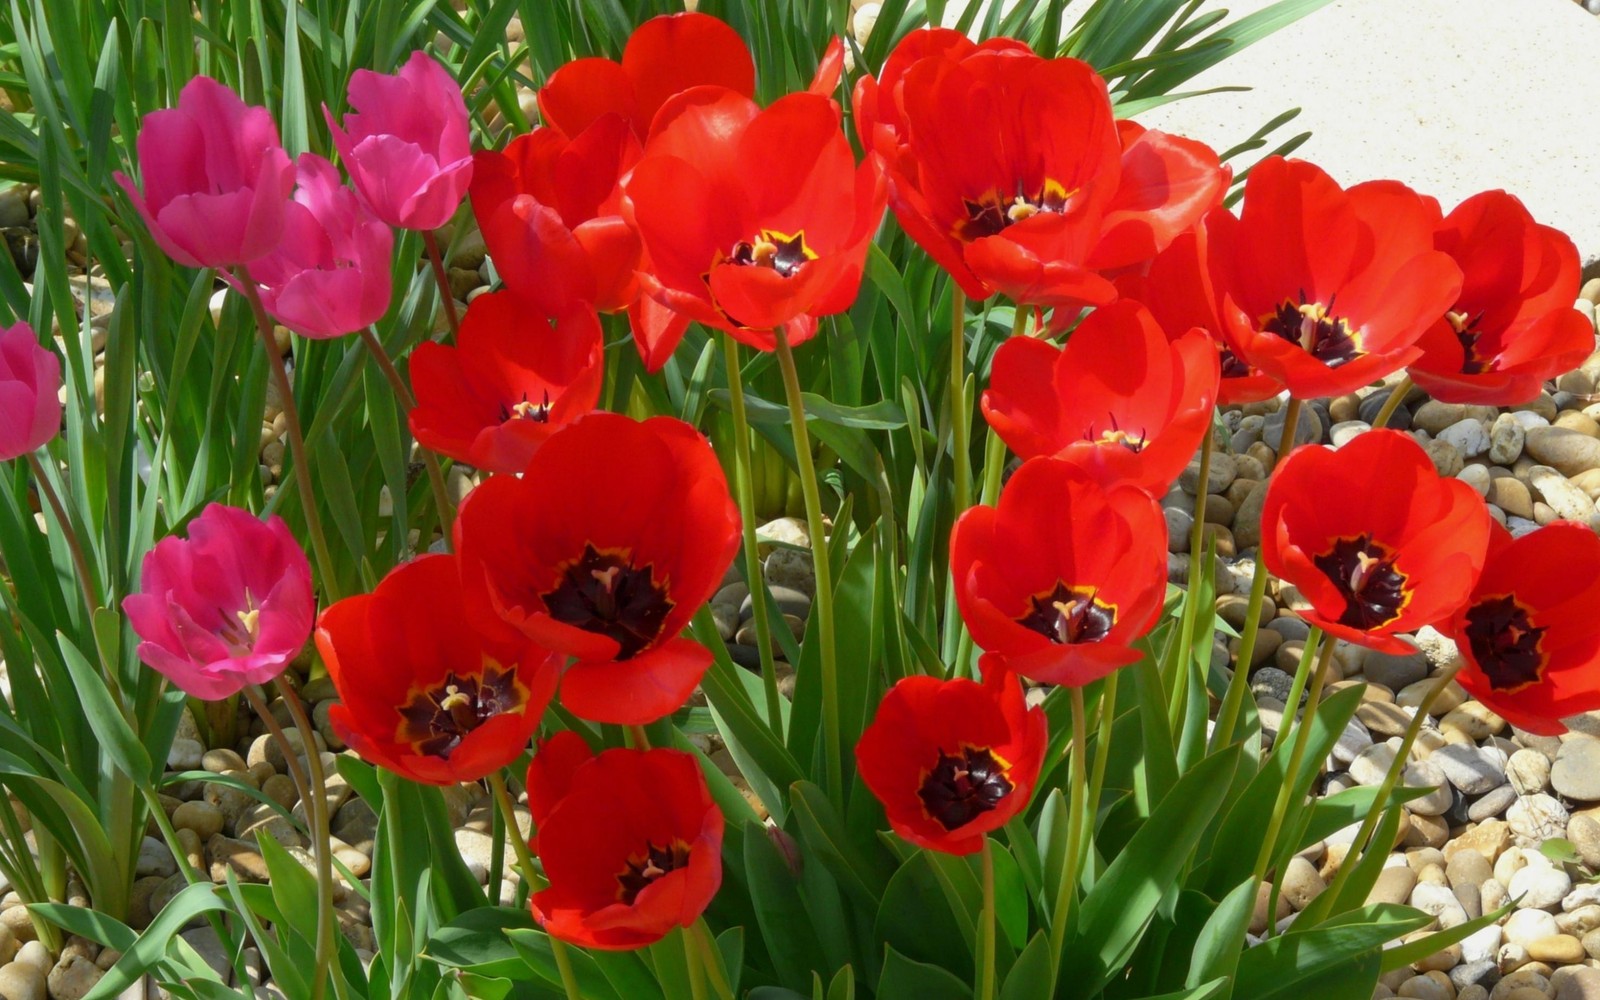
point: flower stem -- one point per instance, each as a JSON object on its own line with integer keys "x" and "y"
{"x": 442, "y": 280}
{"x": 1078, "y": 822}
{"x": 744, "y": 491}
{"x": 638, "y": 739}
{"x": 819, "y": 558}
{"x": 402, "y": 393}
{"x": 530, "y": 876}
{"x": 1102, "y": 747}
{"x": 1291, "y": 423}
{"x": 291, "y": 760}
{"x": 1302, "y": 739}
{"x": 1197, "y": 530}
{"x": 1369, "y": 823}
{"x": 713, "y": 964}
{"x": 297, "y": 441}
{"x": 960, "y": 420}
{"x": 317, "y": 814}
{"x": 985, "y": 984}
{"x": 1228, "y": 716}
{"x": 697, "y": 968}
{"x": 1392, "y": 404}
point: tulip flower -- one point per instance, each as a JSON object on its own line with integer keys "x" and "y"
{"x": 1529, "y": 634}
{"x": 1373, "y": 537}
{"x": 615, "y": 534}
{"x": 216, "y": 179}
{"x": 330, "y": 275}
{"x": 1010, "y": 170}
{"x": 754, "y": 218}
{"x": 1122, "y": 400}
{"x": 421, "y": 692}
{"x": 30, "y": 383}
{"x": 1325, "y": 289}
{"x": 665, "y": 55}
{"x": 630, "y": 840}
{"x": 513, "y": 378}
{"x": 954, "y": 760}
{"x": 228, "y": 606}
{"x": 1513, "y": 325}
{"x": 550, "y": 210}
{"x": 406, "y": 144}
{"x": 1060, "y": 577}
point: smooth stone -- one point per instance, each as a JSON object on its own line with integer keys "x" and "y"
{"x": 1426, "y": 774}
{"x": 1426, "y": 988}
{"x": 1576, "y": 772}
{"x": 1372, "y": 764}
{"x": 1447, "y": 461}
{"x": 154, "y": 859}
{"x": 1308, "y": 427}
{"x": 1506, "y": 437}
{"x": 1383, "y": 718}
{"x": 1301, "y": 883}
{"x": 1468, "y": 868}
{"x": 21, "y": 982}
{"x": 1470, "y": 769}
{"x": 1568, "y": 502}
{"x": 1569, "y": 451}
{"x": 1469, "y": 436}
{"x": 1525, "y": 926}
{"x": 1491, "y": 804}
{"x": 185, "y": 755}
{"x": 1394, "y": 671}
{"x": 1345, "y": 431}
{"x": 786, "y": 599}
{"x": 1528, "y": 771}
{"x": 73, "y": 977}
{"x": 1583, "y": 984}
{"x": 1558, "y": 949}
{"x": 1541, "y": 888}
{"x": 1584, "y": 832}
{"x": 1512, "y": 496}
{"x": 1221, "y": 473}
{"x": 1394, "y": 885}
{"x": 1477, "y": 477}
{"x": 1537, "y": 817}
{"x": 1438, "y": 901}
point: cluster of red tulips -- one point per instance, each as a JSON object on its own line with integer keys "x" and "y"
{"x": 659, "y": 187}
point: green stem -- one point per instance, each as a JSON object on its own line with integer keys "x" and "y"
{"x": 402, "y": 393}
{"x": 1197, "y": 530}
{"x": 709, "y": 953}
{"x": 317, "y": 815}
{"x": 986, "y": 972}
{"x": 1392, "y": 404}
{"x": 819, "y": 555}
{"x": 297, "y": 441}
{"x": 1102, "y": 747}
{"x": 1067, "y": 891}
{"x": 697, "y": 968}
{"x": 291, "y": 760}
{"x": 744, "y": 491}
{"x": 1369, "y": 823}
{"x": 1291, "y": 420}
{"x": 960, "y": 420}
{"x": 442, "y": 279}
{"x": 1228, "y": 716}
{"x": 531, "y": 877}
{"x": 1302, "y": 739}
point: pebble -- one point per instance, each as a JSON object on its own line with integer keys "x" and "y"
{"x": 73, "y": 977}
{"x": 1493, "y": 803}
{"x": 1477, "y": 477}
{"x": 1584, "y": 832}
{"x": 1558, "y": 949}
{"x": 1394, "y": 671}
{"x": 1301, "y": 883}
{"x": 1471, "y": 769}
{"x": 185, "y": 755}
{"x": 1506, "y": 437}
{"x": 1512, "y": 496}
{"x": 1576, "y": 772}
{"x": 1568, "y": 502}
{"x": 1528, "y": 771}
{"x": 19, "y": 981}
{"x": 1372, "y": 764}
{"x": 1438, "y": 901}
{"x": 1394, "y": 885}
{"x": 1426, "y": 774}
{"x": 1540, "y": 887}
{"x": 1469, "y": 436}
{"x": 1537, "y": 817}
{"x": 1569, "y": 451}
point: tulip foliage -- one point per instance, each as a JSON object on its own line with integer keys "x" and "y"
{"x": 890, "y": 347}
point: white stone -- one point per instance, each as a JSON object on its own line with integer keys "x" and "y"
{"x": 1537, "y": 817}
{"x": 1426, "y": 774}
{"x": 1530, "y": 925}
{"x": 1569, "y": 502}
{"x": 1539, "y": 888}
{"x": 1581, "y": 895}
{"x": 1439, "y": 901}
{"x": 1469, "y": 436}
{"x": 1481, "y": 944}
{"x": 1429, "y": 114}
{"x": 1527, "y": 420}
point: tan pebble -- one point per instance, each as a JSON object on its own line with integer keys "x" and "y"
{"x": 1561, "y": 949}
{"x": 1427, "y": 987}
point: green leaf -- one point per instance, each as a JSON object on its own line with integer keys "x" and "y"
{"x": 1116, "y": 911}
{"x": 116, "y": 736}
{"x": 1402, "y": 955}
{"x": 1031, "y": 977}
{"x": 1201, "y": 992}
{"x": 859, "y": 874}
{"x": 1302, "y": 963}
{"x": 477, "y": 940}
{"x": 1217, "y": 948}
{"x": 916, "y": 919}
{"x": 903, "y": 979}
{"x": 780, "y": 912}
{"x": 152, "y": 944}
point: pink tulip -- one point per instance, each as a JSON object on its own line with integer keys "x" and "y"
{"x": 330, "y": 275}
{"x": 30, "y": 383}
{"x": 228, "y": 606}
{"x": 407, "y": 149}
{"x": 216, "y": 179}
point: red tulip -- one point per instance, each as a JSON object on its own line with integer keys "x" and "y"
{"x": 216, "y": 179}
{"x": 1373, "y": 537}
{"x": 664, "y": 56}
{"x": 1530, "y": 632}
{"x": 630, "y": 840}
{"x": 1010, "y": 170}
{"x": 614, "y": 536}
{"x": 1060, "y": 577}
{"x": 513, "y": 378}
{"x": 754, "y": 218}
{"x": 952, "y": 760}
{"x": 421, "y": 692}
{"x": 1177, "y": 290}
{"x": 406, "y": 144}
{"x": 1122, "y": 400}
{"x": 30, "y": 381}
{"x": 1324, "y": 289}
{"x": 330, "y": 275}
{"x": 228, "y": 606}
{"x": 1513, "y": 325}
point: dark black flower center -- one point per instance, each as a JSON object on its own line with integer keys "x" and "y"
{"x": 1505, "y": 643}
{"x": 436, "y": 720}
{"x": 1232, "y": 367}
{"x": 526, "y": 410}
{"x": 604, "y": 592}
{"x": 643, "y": 869}
{"x": 1133, "y": 441}
{"x": 992, "y": 212}
{"x": 1069, "y": 614}
{"x": 964, "y": 785}
{"x": 1319, "y": 332}
{"x": 783, "y": 253}
{"x": 1363, "y": 570}
{"x": 1467, "y": 333}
